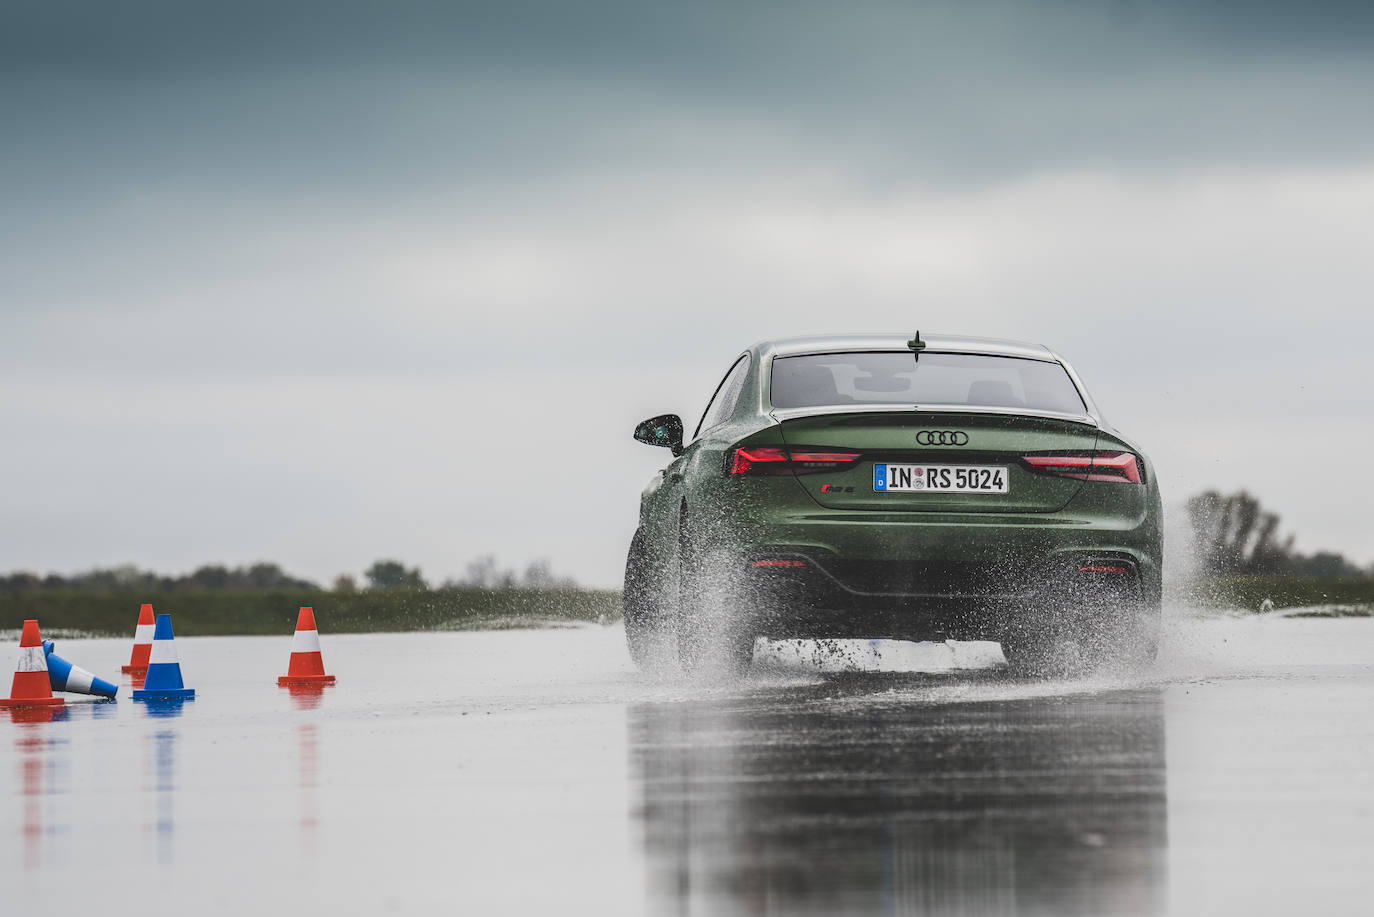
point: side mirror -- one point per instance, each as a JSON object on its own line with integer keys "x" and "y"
{"x": 664, "y": 430}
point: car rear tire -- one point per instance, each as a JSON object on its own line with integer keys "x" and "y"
{"x": 1121, "y": 651}
{"x": 642, "y": 604}
{"x": 713, "y": 635}
{"x": 1085, "y": 631}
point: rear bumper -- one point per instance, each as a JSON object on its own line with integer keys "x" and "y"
{"x": 938, "y": 576}
{"x": 976, "y": 541}
{"x": 800, "y": 595}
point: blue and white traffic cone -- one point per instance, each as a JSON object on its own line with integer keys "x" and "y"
{"x": 164, "y": 672}
{"x": 63, "y": 676}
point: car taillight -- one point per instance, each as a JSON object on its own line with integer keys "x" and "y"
{"x": 776, "y": 460}
{"x": 1121, "y": 467}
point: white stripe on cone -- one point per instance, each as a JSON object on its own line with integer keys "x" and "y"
{"x": 306, "y": 641}
{"x": 31, "y": 659}
{"x": 143, "y": 633}
{"x": 79, "y": 681}
{"x": 162, "y": 651}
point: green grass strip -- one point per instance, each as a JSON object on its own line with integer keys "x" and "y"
{"x": 370, "y": 611}
{"x": 1249, "y": 592}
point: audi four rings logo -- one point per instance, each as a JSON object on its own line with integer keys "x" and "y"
{"x": 942, "y": 438}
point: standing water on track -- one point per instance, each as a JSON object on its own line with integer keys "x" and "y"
{"x": 532, "y": 772}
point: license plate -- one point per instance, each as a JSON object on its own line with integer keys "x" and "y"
{"x": 947, "y": 479}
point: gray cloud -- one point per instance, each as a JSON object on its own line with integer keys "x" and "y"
{"x": 275, "y": 278}
{"x": 394, "y": 96}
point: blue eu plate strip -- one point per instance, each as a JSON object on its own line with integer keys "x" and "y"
{"x": 880, "y": 477}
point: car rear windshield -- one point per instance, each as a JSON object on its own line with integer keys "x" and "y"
{"x": 820, "y": 379}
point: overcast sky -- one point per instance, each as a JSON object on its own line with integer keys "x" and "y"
{"x": 322, "y": 282}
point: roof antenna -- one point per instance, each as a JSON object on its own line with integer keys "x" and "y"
{"x": 916, "y": 345}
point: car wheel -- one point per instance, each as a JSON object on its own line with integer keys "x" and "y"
{"x": 1120, "y": 632}
{"x": 713, "y": 636}
{"x": 642, "y": 602}
{"x": 1084, "y": 631}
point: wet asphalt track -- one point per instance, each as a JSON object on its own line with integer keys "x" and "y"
{"x": 536, "y": 773}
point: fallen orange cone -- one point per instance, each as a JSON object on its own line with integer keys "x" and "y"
{"x": 307, "y": 664}
{"x": 143, "y": 643}
{"x": 31, "y": 687}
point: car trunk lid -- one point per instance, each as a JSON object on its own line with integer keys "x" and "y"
{"x": 924, "y": 439}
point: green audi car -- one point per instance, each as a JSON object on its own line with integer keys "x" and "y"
{"x": 887, "y": 486}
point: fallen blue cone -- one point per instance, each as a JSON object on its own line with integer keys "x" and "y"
{"x": 63, "y": 676}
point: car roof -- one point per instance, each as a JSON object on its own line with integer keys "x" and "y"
{"x": 935, "y": 343}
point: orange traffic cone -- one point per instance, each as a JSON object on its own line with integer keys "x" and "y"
{"x": 143, "y": 643}
{"x": 307, "y": 665}
{"x": 31, "y": 688}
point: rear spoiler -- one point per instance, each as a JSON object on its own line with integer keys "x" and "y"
{"x": 782, "y": 414}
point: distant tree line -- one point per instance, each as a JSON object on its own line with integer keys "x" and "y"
{"x": 485, "y": 573}
{"x": 482, "y": 573}
{"x": 1234, "y": 534}
{"x": 211, "y": 578}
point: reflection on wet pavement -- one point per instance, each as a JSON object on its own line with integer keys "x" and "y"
{"x": 31, "y": 748}
{"x": 164, "y": 758}
{"x": 159, "y": 776}
{"x": 858, "y": 799}
{"x": 306, "y": 745}
{"x": 536, "y": 773}
{"x": 40, "y": 759}
{"x": 306, "y": 698}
